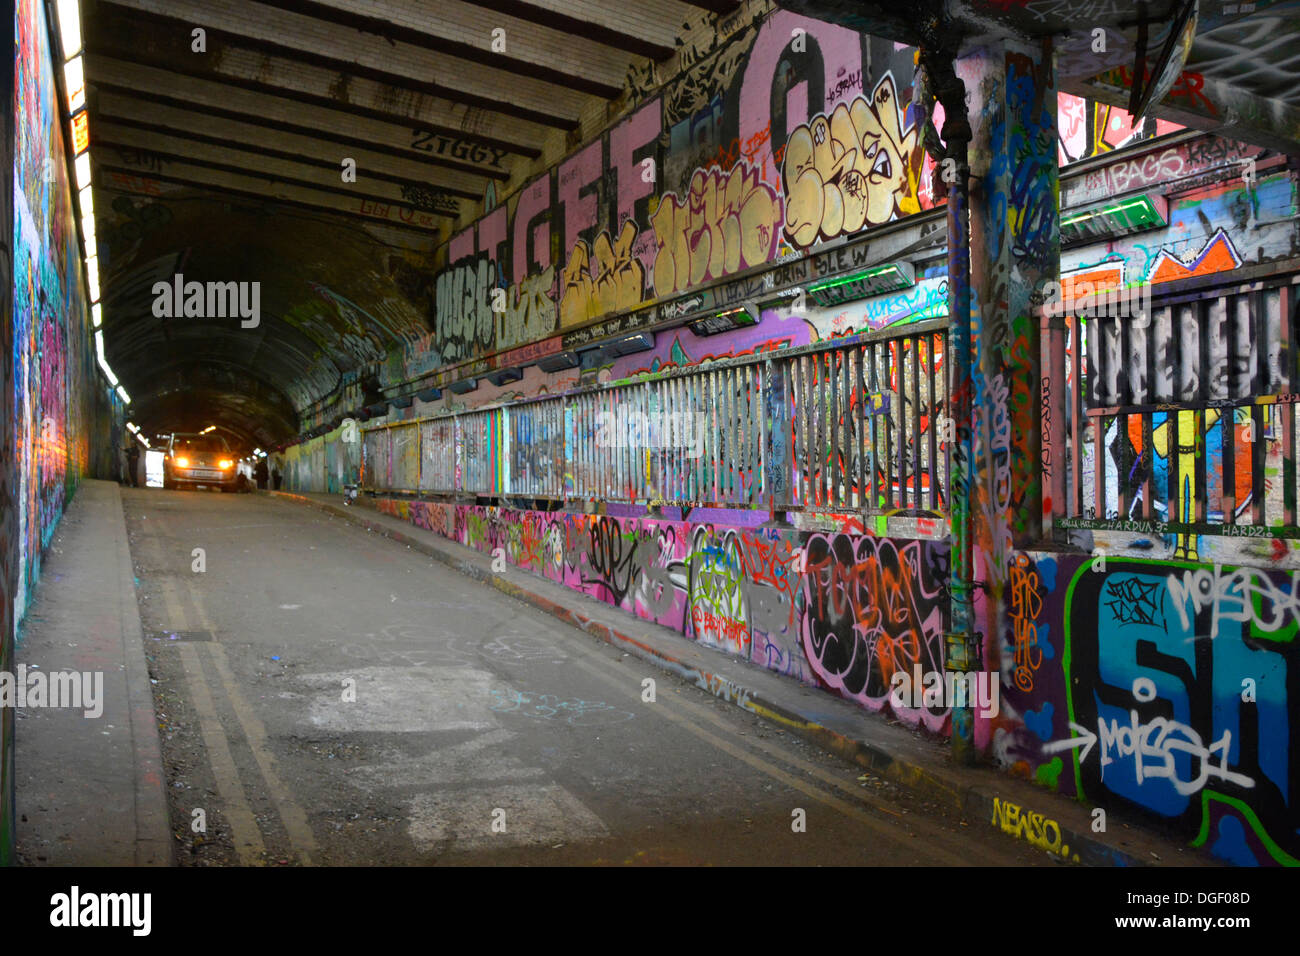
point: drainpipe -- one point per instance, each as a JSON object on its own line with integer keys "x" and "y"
{"x": 937, "y": 58}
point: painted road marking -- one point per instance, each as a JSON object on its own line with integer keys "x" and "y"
{"x": 292, "y": 815}
{"x": 460, "y": 764}
{"x": 243, "y": 825}
{"x": 461, "y": 820}
{"x": 229, "y": 783}
{"x": 404, "y": 700}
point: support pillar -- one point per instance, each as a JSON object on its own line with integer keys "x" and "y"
{"x": 1014, "y": 250}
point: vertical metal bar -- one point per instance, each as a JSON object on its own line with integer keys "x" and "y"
{"x": 1228, "y": 442}
{"x": 1148, "y": 481}
{"x": 1099, "y": 463}
{"x": 801, "y": 424}
{"x": 681, "y": 479}
{"x": 846, "y": 433}
{"x": 1124, "y": 382}
{"x": 751, "y": 427}
{"x": 1288, "y": 384}
{"x": 690, "y": 472}
{"x": 745, "y": 425}
{"x": 1199, "y": 466}
{"x": 829, "y": 406}
{"x": 723, "y": 456}
{"x": 832, "y": 429}
{"x": 1078, "y": 427}
{"x": 861, "y": 421}
{"x": 1123, "y": 494}
{"x": 918, "y": 501}
{"x": 814, "y": 431}
{"x": 932, "y": 403}
{"x": 618, "y": 473}
{"x": 1286, "y": 422}
{"x": 1258, "y": 448}
{"x": 814, "y": 435}
{"x": 626, "y": 401}
{"x": 727, "y": 406}
{"x": 897, "y": 376}
{"x": 665, "y": 480}
{"x": 826, "y": 408}
{"x": 1174, "y": 512}
{"x": 878, "y": 429}
{"x": 1097, "y": 354}
{"x": 734, "y": 432}
{"x": 793, "y": 382}
{"x": 591, "y": 453}
{"x": 609, "y": 471}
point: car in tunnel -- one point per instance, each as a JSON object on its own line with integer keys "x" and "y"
{"x": 195, "y": 459}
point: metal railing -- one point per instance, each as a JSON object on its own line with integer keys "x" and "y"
{"x": 1186, "y": 418}
{"x": 846, "y": 425}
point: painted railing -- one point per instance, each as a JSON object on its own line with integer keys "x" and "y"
{"x": 848, "y": 425}
{"x": 1186, "y": 416}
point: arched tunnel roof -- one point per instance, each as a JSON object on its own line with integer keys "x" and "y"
{"x": 254, "y": 374}
{"x": 221, "y": 158}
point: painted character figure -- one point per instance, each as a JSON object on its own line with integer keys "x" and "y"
{"x": 849, "y": 170}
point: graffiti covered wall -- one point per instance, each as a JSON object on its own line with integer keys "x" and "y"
{"x": 325, "y": 463}
{"x": 57, "y": 411}
{"x": 1159, "y": 687}
{"x": 839, "y": 611}
{"x": 1166, "y": 688}
{"x": 777, "y": 136}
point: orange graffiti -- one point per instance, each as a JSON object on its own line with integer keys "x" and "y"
{"x": 1025, "y": 606}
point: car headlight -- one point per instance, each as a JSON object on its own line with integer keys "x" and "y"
{"x": 182, "y": 462}
{"x": 224, "y": 463}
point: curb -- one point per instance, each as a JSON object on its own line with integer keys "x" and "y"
{"x": 971, "y": 800}
{"x": 154, "y": 839}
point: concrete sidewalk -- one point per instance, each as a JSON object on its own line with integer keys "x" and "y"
{"x": 888, "y": 749}
{"x": 90, "y": 791}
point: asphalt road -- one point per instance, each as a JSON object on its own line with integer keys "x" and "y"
{"x": 327, "y": 696}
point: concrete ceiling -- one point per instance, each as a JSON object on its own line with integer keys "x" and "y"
{"x": 225, "y": 164}
{"x": 1241, "y": 78}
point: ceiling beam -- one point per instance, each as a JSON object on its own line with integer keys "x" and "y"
{"x": 586, "y": 28}
{"x": 318, "y": 123}
{"x": 473, "y": 84}
{"x": 171, "y": 150}
{"x": 715, "y": 6}
{"x": 259, "y": 73}
{"x": 481, "y": 54}
{"x": 124, "y": 178}
{"x": 126, "y": 112}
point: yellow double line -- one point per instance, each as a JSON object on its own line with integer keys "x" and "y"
{"x": 249, "y": 844}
